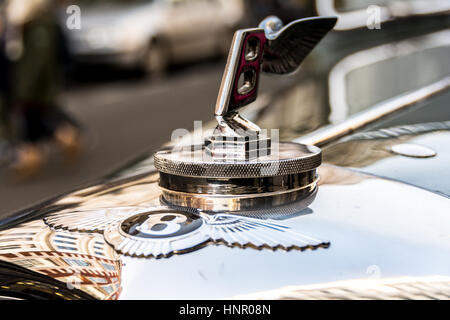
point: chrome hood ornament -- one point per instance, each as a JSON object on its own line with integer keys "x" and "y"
{"x": 240, "y": 167}
{"x": 270, "y": 48}
{"x": 225, "y": 190}
{"x": 160, "y": 232}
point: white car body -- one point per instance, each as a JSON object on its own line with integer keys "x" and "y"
{"x": 124, "y": 33}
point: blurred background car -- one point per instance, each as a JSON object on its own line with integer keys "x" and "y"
{"x": 152, "y": 34}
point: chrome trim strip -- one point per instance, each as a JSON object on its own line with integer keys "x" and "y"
{"x": 336, "y": 82}
{"x": 340, "y": 124}
{"x": 403, "y": 288}
{"x": 333, "y": 132}
{"x": 358, "y": 18}
{"x": 399, "y": 131}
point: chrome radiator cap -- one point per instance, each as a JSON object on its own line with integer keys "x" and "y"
{"x": 240, "y": 168}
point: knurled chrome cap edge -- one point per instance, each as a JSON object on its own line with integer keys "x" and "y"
{"x": 308, "y": 158}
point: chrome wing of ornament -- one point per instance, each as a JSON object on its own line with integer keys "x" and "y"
{"x": 288, "y": 46}
{"x": 90, "y": 220}
{"x": 160, "y": 232}
{"x": 244, "y": 232}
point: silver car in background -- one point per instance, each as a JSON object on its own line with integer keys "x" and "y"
{"x": 151, "y": 34}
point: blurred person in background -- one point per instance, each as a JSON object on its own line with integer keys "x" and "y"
{"x": 34, "y": 45}
{"x": 4, "y": 86}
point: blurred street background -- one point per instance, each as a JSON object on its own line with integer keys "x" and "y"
{"x": 123, "y": 115}
{"x": 111, "y": 80}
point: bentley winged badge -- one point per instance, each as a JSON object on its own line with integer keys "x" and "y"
{"x": 225, "y": 190}
{"x": 163, "y": 231}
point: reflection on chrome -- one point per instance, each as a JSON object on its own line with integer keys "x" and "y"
{"x": 141, "y": 191}
{"x": 357, "y": 18}
{"x": 82, "y": 261}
